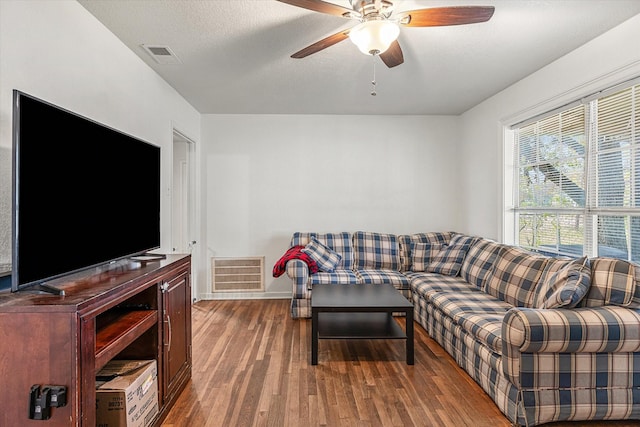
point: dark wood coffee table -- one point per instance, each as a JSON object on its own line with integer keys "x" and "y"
{"x": 359, "y": 312}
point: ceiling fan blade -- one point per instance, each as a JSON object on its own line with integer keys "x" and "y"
{"x": 392, "y": 56}
{"x": 322, "y": 44}
{"x": 441, "y": 16}
{"x": 320, "y": 6}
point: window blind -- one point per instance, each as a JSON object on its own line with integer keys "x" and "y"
{"x": 578, "y": 178}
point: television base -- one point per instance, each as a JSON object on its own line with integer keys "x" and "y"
{"x": 148, "y": 257}
{"x": 43, "y": 287}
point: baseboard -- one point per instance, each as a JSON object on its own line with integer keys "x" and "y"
{"x": 244, "y": 295}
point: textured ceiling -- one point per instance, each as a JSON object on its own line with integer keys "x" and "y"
{"x": 236, "y": 53}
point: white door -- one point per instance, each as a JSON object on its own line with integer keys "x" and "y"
{"x": 182, "y": 199}
{"x": 180, "y": 195}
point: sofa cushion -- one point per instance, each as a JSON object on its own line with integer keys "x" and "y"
{"x": 477, "y": 313}
{"x": 479, "y": 262}
{"x": 339, "y": 277}
{"x": 405, "y": 241}
{"x": 450, "y": 258}
{"x": 612, "y": 282}
{"x": 515, "y": 275}
{"x": 376, "y": 251}
{"x": 635, "y": 301}
{"x": 382, "y": 276}
{"x": 423, "y": 284}
{"x": 422, "y": 254}
{"x": 565, "y": 287}
{"x": 339, "y": 242}
{"x": 326, "y": 258}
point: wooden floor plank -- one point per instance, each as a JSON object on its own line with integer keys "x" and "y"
{"x": 251, "y": 367}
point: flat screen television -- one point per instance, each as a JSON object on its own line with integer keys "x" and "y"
{"x": 84, "y": 194}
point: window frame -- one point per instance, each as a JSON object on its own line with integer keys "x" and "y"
{"x": 591, "y": 210}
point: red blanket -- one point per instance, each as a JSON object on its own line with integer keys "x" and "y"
{"x": 294, "y": 252}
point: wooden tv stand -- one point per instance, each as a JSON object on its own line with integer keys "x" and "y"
{"x": 128, "y": 310}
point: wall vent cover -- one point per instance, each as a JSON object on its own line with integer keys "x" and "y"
{"x": 237, "y": 274}
{"x": 161, "y": 54}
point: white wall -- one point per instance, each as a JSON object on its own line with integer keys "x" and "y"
{"x": 609, "y": 59}
{"x": 57, "y": 51}
{"x": 270, "y": 175}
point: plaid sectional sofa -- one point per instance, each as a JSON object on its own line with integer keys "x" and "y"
{"x": 548, "y": 339}
{"x": 363, "y": 257}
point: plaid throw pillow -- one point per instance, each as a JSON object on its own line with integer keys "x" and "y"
{"x": 326, "y": 258}
{"x": 566, "y": 287}
{"x": 422, "y": 254}
{"x": 338, "y": 242}
{"x": 405, "y": 240}
{"x": 449, "y": 260}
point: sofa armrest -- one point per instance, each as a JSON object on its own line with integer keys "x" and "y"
{"x": 298, "y": 272}
{"x": 535, "y": 340}
{"x": 594, "y": 330}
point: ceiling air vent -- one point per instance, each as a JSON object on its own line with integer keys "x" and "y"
{"x": 161, "y": 54}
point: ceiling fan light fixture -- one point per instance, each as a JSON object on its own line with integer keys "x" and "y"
{"x": 375, "y": 36}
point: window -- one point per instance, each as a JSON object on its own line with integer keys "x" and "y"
{"x": 577, "y": 178}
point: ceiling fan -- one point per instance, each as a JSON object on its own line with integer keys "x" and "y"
{"x": 379, "y": 26}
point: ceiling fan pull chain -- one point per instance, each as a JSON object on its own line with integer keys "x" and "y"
{"x": 373, "y": 82}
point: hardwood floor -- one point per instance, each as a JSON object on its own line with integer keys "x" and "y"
{"x": 251, "y": 367}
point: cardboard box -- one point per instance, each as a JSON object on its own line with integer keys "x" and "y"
{"x": 130, "y": 399}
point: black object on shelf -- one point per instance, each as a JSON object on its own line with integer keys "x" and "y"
{"x": 57, "y": 395}
{"x": 42, "y": 400}
{"x": 39, "y": 406}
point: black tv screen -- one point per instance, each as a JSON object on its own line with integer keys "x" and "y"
{"x": 84, "y": 194}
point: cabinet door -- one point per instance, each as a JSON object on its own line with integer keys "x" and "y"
{"x": 176, "y": 297}
{"x": 39, "y": 348}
